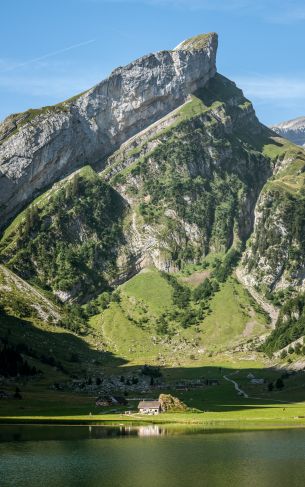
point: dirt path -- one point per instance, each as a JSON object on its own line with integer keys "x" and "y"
{"x": 236, "y": 386}
{"x": 246, "y": 396}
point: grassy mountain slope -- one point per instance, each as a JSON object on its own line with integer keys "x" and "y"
{"x": 67, "y": 240}
{"x": 19, "y": 298}
{"x": 182, "y": 189}
{"x": 33, "y": 324}
{"x": 148, "y": 325}
{"x": 290, "y": 326}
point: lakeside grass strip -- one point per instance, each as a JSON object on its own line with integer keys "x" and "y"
{"x": 122, "y": 420}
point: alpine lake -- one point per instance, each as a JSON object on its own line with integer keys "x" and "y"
{"x": 150, "y": 456}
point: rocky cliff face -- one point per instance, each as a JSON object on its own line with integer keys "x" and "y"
{"x": 184, "y": 187}
{"x": 293, "y": 130}
{"x": 190, "y": 181}
{"x": 275, "y": 257}
{"x": 41, "y": 146}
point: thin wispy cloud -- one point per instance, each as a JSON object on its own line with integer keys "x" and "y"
{"x": 226, "y": 5}
{"x": 287, "y": 16}
{"x": 45, "y": 56}
{"x": 272, "y": 11}
{"x": 199, "y": 4}
{"x": 271, "y": 88}
{"x": 57, "y": 87}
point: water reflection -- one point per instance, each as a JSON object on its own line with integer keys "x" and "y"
{"x": 152, "y": 430}
{"x": 149, "y": 455}
{"x": 20, "y": 433}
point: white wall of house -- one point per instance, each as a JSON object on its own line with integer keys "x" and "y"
{"x": 149, "y": 411}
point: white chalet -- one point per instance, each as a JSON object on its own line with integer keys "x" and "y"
{"x": 149, "y": 407}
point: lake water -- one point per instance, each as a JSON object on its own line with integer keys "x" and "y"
{"x": 64, "y": 456}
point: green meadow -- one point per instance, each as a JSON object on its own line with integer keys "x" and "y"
{"x": 126, "y": 335}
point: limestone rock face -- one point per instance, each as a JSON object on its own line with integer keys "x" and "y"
{"x": 274, "y": 257}
{"x": 293, "y": 130}
{"x": 42, "y": 146}
{"x": 267, "y": 256}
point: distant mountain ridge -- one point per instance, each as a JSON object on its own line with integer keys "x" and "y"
{"x": 293, "y": 130}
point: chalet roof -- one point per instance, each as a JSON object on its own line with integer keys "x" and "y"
{"x": 149, "y": 404}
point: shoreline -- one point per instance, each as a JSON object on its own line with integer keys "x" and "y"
{"x": 208, "y": 425}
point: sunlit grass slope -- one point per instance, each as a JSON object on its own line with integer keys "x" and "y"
{"x": 131, "y": 327}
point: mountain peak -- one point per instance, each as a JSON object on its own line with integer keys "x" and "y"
{"x": 201, "y": 41}
{"x": 293, "y": 130}
{"x": 41, "y": 146}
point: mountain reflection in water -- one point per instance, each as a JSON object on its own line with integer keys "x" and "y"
{"x": 149, "y": 455}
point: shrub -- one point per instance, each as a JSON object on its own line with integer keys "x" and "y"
{"x": 151, "y": 371}
{"x": 203, "y": 291}
{"x": 279, "y": 384}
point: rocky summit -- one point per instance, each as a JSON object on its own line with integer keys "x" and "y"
{"x": 293, "y": 130}
{"x": 154, "y": 217}
{"x": 41, "y": 146}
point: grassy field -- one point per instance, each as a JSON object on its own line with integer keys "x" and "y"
{"x": 232, "y": 319}
{"x": 124, "y": 337}
{"x": 130, "y": 327}
{"x": 240, "y": 414}
{"x": 210, "y": 406}
{"x": 272, "y": 417}
{"x": 127, "y": 331}
{"x": 148, "y": 286}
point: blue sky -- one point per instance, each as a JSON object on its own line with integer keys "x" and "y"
{"x": 51, "y": 50}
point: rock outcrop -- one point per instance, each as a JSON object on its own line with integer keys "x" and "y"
{"x": 293, "y": 130}
{"x": 41, "y": 146}
{"x": 275, "y": 256}
{"x": 170, "y": 403}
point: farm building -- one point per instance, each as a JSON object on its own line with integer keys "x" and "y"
{"x": 149, "y": 407}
